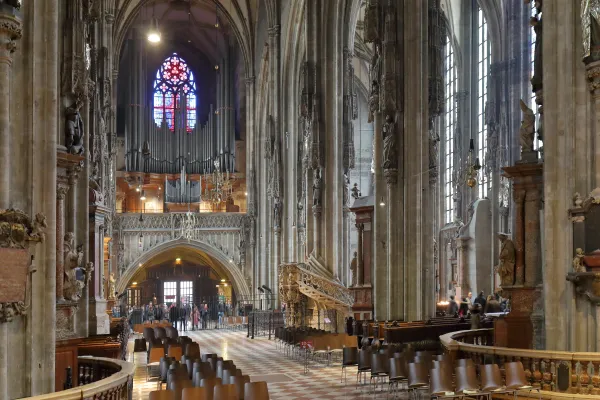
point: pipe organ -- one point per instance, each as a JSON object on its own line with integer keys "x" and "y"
{"x": 176, "y": 139}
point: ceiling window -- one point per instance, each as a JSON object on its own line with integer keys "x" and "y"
{"x": 449, "y": 127}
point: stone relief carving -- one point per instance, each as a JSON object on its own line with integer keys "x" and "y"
{"x": 527, "y": 130}
{"x": 74, "y": 129}
{"x": 434, "y": 140}
{"x": 72, "y": 287}
{"x": 19, "y": 231}
{"x": 506, "y": 266}
{"x": 373, "y": 101}
{"x": 317, "y": 188}
{"x": 590, "y": 26}
{"x": 277, "y": 209}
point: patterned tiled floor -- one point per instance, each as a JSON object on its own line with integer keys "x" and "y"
{"x": 262, "y": 360}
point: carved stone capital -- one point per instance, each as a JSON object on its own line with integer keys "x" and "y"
{"x": 593, "y": 76}
{"x": 391, "y": 176}
{"x": 73, "y": 173}
{"x": 61, "y": 192}
{"x": 11, "y": 30}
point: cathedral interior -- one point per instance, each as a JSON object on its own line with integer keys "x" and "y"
{"x": 246, "y": 198}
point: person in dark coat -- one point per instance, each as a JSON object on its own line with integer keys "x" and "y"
{"x": 452, "y": 306}
{"x": 480, "y": 300}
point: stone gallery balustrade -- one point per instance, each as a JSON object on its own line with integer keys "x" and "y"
{"x": 557, "y": 373}
{"x": 103, "y": 378}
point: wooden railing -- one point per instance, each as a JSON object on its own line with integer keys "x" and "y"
{"x": 559, "y": 373}
{"x": 99, "y": 378}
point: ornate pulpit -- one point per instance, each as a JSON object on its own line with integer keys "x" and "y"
{"x": 362, "y": 288}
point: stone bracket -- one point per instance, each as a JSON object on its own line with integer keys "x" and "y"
{"x": 586, "y": 284}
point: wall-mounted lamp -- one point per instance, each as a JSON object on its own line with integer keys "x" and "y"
{"x": 143, "y": 196}
{"x": 382, "y": 203}
{"x": 153, "y": 32}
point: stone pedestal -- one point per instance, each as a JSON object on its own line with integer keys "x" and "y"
{"x": 362, "y": 309}
{"x": 526, "y": 314}
{"x": 66, "y": 320}
{"x": 99, "y": 318}
{"x": 523, "y": 327}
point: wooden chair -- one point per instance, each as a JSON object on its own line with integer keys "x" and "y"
{"x": 154, "y": 356}
{"x": 225, "y": 392}
{"x": 417, "y": 377}
{"x": 491, "y": 380}
{"x": 162, "y": 395}
{"x": 192, "y": 350}
{"x": 466, "y": 381}
{"x": 239, "y": 382}
{"x": 516, "y": 379}
{"x": 256, "y": 391}
{"x": 196, "y": 393}
{"x": 465, "y": 362}
{"x": 228, "y": 373}
{"x": 349, "y": 358}
{"x": 175, "y": 351}
{"x": 440, "y": 383}
{"x": 178, "y": 385}
{"x": 397, "y": 373}
{"x": 210, "y": 383}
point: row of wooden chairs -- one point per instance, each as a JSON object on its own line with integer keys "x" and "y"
{"x": 245, "y": 390}
{"x": 175, "y": 349}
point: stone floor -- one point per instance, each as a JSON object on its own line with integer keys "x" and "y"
{"x": 263, "y": 361}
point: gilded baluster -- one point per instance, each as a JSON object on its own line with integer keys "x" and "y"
{"x": 536, "y": 373}
{"x": 546, "y": 375}
{"x": 595, "y": 379}
{"x": 586, "y": 377}
{"x": 528, "y": 366}
{"x": 574, "y": 377}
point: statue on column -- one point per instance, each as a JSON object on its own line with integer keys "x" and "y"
{"x": 390, "y": 153}
{"x": 538, "y": 66}
{"x": 373, "y": 101}
{"x": 317, "y": 188}
{"x": 506, "y": 266}
{"x": 74, "y": 129}
{"x": 346, "y": 194}
{"x": 277, "y": 213}
{"x": 13, "y": 3}
{"x": 354, "y": 269}
{"x": 578, "y": 265}
{"x": 590, "y": 25}
{"x": 527, "y": 130}
{"x": 355, "y": 191}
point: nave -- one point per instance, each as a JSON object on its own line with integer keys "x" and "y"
{"x": 263, "y": 361}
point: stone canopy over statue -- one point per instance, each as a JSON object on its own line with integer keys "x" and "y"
{"x": 506, "y": 265}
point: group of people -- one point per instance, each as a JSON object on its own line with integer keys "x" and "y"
{"x": 492, "y": 303}
{"x": 182, "y": 314}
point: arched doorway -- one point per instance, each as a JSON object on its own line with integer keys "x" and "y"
{"x": 197, "y": 253}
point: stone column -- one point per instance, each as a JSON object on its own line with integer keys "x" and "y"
{"x": 519, "y": 239}
{"x": 395, "y": 253}
{"x": 360, "y": 277}
{"x": 61, "y": 192}
{"x": 380, "y": 221}
{"x": 72, "y": 176}
{"x": 462, "y": 244}
{"x": 532, "y": 237}
{"x": 10, "y": 31}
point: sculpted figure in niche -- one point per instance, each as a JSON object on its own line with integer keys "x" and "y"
{"x": 506, "y": 266}
{"x": 72, "y": 260}
{"x": 538, "y": 66}
{"x": 353, "y": 268}
{"x": 527, "y": 130}
{"x": 317, "y": 187}
{"x": 375, "y": 72}
{"x": 590, "y": 25}
{"x": 277, "y": 213}
{"x": 578, "y": 265}
{"x": 390, "y": 154}
{"x": 74, "y": 129}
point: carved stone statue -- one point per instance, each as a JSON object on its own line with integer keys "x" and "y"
{"x": 434, "y": 140}
{"x": 355, "y": 191}
{"x": 277, "y": 213}
{"x": 371, "y": 21}
{"x": 353, "y": 269}
{"x": 74, "y": 129}
{"x": 345, "y": 189}
{"x": 577, "y": 200}
{"x": 375, "y": 69}
{"x": 111, "y": 285}
{"x": 72, "y": 260}
{"x": 373, "y": 101}
{"x": 527, "y": 130}
{"x": 538, "y": 66}
{"x": 13, "y": 3}
{"x": 390, "y": 152}
{"x": 506, "y": 266}
{"x": 317, "y": 188}
{"x": 87, "y": 273}
{"x": 578, "y": 265}
{"x": 590, "y": 25}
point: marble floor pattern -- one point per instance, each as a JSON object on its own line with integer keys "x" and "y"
{"x": 262, "y": 360}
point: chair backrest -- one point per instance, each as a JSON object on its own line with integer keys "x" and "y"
{"x": 189, "y": 363}
{"x": 397, "y": 368}
{"x": 176, "y": 374}
{"x": 440, "y": 381}
{"x": 464, "y": 362}
{"x": 424, "y": 359}
{"x": 160, "y": 332}
{"x": 149, "y": 334}
{"x": 175, "y": 351}
{"x": 210, "y": 383}
{"x": 417, "y": 374}
{"x": 196, "y": 393}
{"x": 161, "y": 395}
{"x": 239, "y": 382}
{"x": 515, "y": 375}
{"x": 491, "y": 377}
{"x": 228, "y": 373}
{"x": 364, "y": 359}
{"x": 350, "y": 356}
{"x": 379, "y": 363}
{"x": 206, "y": 356}
{"x": 203, "y": 374}
{"x": 225, "y": 392}
{"x": 171, "y": 332}
{"x": 156, "y": 353}
{"x": 165, "y": 363}
{"x": 442, "y": 357}
{"x": 178, "y": 385}
{"x": 256, "y": 391}
{"x": 466, "y": 379}
{"x": 192, "y": 350}
{"x": 442, "y": 364}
